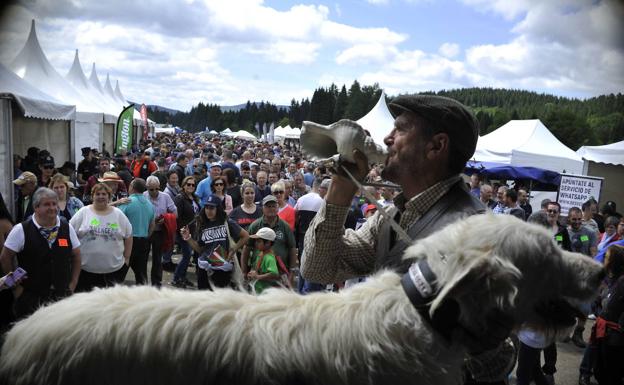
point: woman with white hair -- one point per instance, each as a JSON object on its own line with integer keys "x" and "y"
{"x": 286, "y": 212}
{"x": 68, "y": 205}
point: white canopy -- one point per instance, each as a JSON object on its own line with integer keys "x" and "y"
{"x": 527, "y": 143}
{"x": 226, "y": 131}
{"x": 293, "y": 133}
{"x": 32, "y": 65}
{"x": 610, "y": 153}
{"x": 379, "y": 121}
{"x": 34, "y": 103}
{"x": 78, "y": 79}
{"x": 242, "y": 134}
{"x": 164, "y": 130}
{"x": 280, "y": 132}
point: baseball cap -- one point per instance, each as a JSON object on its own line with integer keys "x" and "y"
{"x": 213, "y": 201}
{"x": 25, "y": 177}
{"x": 264, "y": 233}
{"x": 216, "y": 165}
{"x": 47, "y": 161}
{"x": 269, "y": 199}
{"x": 446, "y": 114}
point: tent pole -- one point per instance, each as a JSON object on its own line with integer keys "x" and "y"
{"x": 6, "y": 127}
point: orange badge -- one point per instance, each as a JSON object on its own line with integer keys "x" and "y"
{"x": 62, "y": 242}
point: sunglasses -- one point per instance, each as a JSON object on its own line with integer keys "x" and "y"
{"x": 278, "y": 192}
{"x": 153, "y": 189}
{"x": 553, "y": 211}
{"x": 218, "y": 184}
{"x": 48, "y": 167}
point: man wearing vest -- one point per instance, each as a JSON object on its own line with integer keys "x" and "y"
{"x": 47, "y": 247}
{"x": 432, "y": 139}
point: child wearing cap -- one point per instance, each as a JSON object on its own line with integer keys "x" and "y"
{"x": 263, "y": 269}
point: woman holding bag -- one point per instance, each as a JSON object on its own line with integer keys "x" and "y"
{"x": 211, "y": 241}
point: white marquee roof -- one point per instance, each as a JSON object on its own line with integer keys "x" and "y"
{"x": 527, "y": 143}
{"x": 78, "y": 79}
{"x": 32, "y": 65}
{"x": 379, "y": 121}
{"x": 33, "y": 103}
{"x": 610, "y": 153}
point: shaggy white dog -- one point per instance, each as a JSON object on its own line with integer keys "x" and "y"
{"x": 370, "y": 333}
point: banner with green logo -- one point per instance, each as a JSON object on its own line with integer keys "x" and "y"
{"x": 124, "y": 136}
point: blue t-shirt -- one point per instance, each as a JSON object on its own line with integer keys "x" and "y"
{"x": 140, "y": 213}
{"x": 203, "y": 190}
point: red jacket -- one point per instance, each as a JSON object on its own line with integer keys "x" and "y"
{"x": 136, "y": 169}
{"x": 170, "y": 226}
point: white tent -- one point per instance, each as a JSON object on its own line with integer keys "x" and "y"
{"x": 226, "y": 131}
{"x": 527, "y": 143}
{"x": 607, "y": 162}
{"x": 242, "y": 134}
{"x": 32, "y": 65}
{"x": 28, "y": 117}
{"x": 293, "y": 133}
{"x": 280, "y": 132}
{"x": 379, "y": 121}
{"x": 119, "y": 95}
{"x": 610, "y": 153}
{"x": 164, "y": 130}
{"x": 91, "y": 131}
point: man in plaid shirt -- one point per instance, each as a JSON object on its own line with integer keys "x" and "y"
{"x": 432, "y": 139}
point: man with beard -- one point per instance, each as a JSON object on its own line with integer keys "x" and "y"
{"x": 431, "y": 141}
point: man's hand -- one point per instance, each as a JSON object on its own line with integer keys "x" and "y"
{"x": 342, "y": 188}
{"x": 359, "y": 169}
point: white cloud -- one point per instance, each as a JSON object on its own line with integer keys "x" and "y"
{"x": 288, "y": 52}
{"x": 449, "y": 50}
{"x": 366, "y": 53}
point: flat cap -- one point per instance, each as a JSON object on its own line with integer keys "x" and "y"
{"x": 445, "y": 115}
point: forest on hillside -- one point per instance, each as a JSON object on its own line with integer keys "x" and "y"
{"x": 575, "y": 122}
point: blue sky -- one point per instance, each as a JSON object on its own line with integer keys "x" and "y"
{"x": 178, "y": 53}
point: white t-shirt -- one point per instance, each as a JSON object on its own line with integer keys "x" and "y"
{"x": 15, "y": 239}
{"x": 309, "y": 202}
{"x": 102, "y": 238}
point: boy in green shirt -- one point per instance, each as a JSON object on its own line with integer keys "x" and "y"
{"x": 263, "y": 269}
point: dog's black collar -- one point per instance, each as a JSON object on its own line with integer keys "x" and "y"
{"x": 421, "y": 287}
{"x": 420, "y": 284}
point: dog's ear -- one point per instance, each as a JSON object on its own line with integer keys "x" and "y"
{"x": 483, "y": 282}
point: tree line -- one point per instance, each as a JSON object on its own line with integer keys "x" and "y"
{"x": 575, "y": 122}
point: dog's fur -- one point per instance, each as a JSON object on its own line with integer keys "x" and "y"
{"x": 367, "y": 334}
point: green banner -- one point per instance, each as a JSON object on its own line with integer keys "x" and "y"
{"x": 124, "y": 137}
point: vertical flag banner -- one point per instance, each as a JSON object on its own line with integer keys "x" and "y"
{"x": 272, "y": 133}
{"x": 123, "y": 139}
{"x": 264, "y": 132}
{"x": 257, "y": 127}
{"x": 144, "y": 119}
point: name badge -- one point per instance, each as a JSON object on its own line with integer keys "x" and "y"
{"x": 62, "y": 242}
{"x": 584, "y": 238}
{"x": 559, "y": 238}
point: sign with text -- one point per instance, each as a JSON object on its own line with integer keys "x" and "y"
{"x": 574, "y": 190}
{"x": 123, "y": 139}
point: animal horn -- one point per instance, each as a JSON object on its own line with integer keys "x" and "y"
{"x": 321, "y": 142}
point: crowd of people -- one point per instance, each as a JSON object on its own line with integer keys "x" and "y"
{"x": 227, "y": 205}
